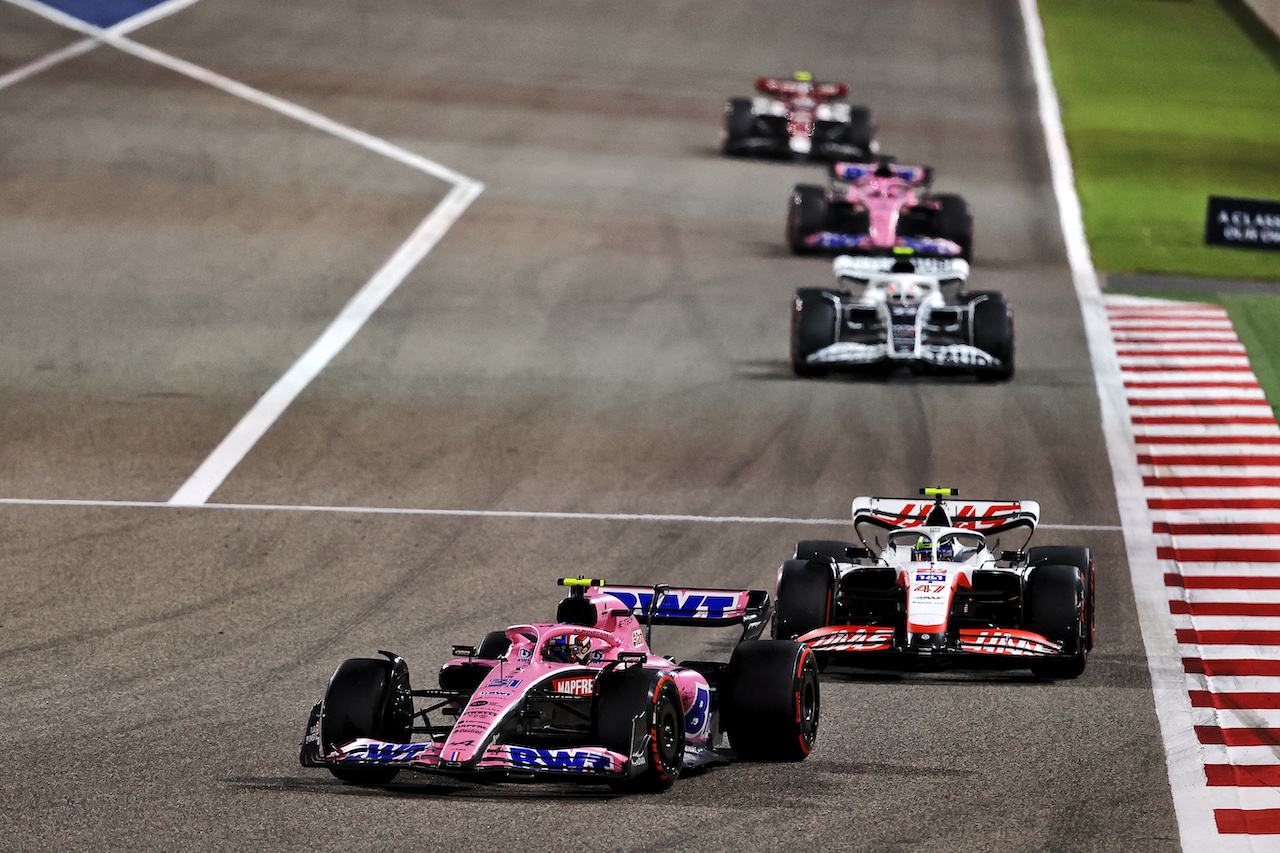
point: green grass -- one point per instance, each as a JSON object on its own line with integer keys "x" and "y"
{"x": 1166, "y": 102}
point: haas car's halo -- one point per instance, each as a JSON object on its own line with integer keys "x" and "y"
{"x": 911, "y": 311}
{"x": 579, "y": 699}
{"x": 800, "y": 117}
{"x": 933, "y": 584}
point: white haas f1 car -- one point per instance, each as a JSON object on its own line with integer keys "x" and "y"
{"x": 911, "y": 311}
{"x": 926, "y": 588}
{"x": 798, "y": 117}
{"x": 581, "y": 699}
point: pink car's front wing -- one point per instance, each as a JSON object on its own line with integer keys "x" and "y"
{"x": 498, "y": 758}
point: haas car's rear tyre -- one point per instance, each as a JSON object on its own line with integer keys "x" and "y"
{"x": 366, "y": 698}
{"x": 993, "y": 334}
{"x": 806, "y": 215}
{"x": 1055, "y": 606}
{"x": 738, "y": 124}
{"x": 770, "y": 706}
{"x": 813, "y": 327}
{"x": 652, "y": 695}
{"x": 804, "y": 598}
{"x": 954, "y": 222}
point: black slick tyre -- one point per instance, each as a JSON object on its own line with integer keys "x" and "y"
{"x": 652, "y": 695}
{"x": 1082, "y": 559}
{"x": 993, "y": 334}
{"x": 738, "y": 124}
{"x": 954, "y": 222}
{"x": 804, "y": 600}
{"x": 1054, "y": 606}
{"x": 366, "y": 698}
{"x": 770, "y": 704}
{"x": 807, "y": 214}
{"x": 814, "y": 318}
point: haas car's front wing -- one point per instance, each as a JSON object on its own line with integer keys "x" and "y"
{"x": 882, "y": 646}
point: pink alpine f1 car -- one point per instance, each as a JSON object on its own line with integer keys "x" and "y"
{"x": 932, "y": 585}
{"x": 798, "y": 118}
{"x": 580, "y": 699}
{"x": 880, "y": 208}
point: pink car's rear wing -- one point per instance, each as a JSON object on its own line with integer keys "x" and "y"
{"x": 854, "y": 171}
{"x": 686, "y": 606}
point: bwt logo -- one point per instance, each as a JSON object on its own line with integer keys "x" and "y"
{"x": 558, "y": 759}
{"x": 687, "y": 604}
{"x": 581, "y": 686}
{"x": 387, "y": 752}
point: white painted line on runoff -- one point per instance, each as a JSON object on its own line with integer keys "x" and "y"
{"x": 219, "y": 464}
{"x": 128, "y": 25}
{"x": 233, "y": 448}
{"x": 1196, "y": 823}
{"x": 483, "y": 513}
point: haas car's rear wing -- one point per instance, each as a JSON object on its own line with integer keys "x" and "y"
{"x": 750, "y": 608}
{"x": 981, "y": 516}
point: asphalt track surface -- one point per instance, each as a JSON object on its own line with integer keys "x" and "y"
{"x": 602, "y": 331}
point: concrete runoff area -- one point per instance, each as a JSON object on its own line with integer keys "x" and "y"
{"x": 604, "y": 330}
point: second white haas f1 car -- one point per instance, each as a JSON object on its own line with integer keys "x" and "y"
{"x": 930, "y": 585}
{"x": 582, "y": 699}
{"x": 910, "y": 311}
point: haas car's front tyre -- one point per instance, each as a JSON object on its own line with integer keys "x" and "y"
{"x": 993, "y": 334}
{"x": 366, "y": 698}
{"x": 653, "y": 696}
{"x": 1056, "y": 606}
{"x": 804, "y": 599}
{"x": 813, "y": 328}
{"x": 1070, "y": 555}
{"x": 806, "y": 215}
{"x": 770, "y": 704}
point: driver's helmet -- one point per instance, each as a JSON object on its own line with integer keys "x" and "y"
{"x": 922, "y": 551}
{"x": 567, "y": 649}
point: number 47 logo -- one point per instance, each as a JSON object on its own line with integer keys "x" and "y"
{"x": 929, "y": 587}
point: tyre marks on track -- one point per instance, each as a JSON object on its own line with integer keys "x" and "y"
{"x": 1207, "y": 447}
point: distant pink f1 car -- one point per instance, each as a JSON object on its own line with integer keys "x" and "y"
{"x": 581, "y": 699}
{"x": 800, "y": 118}
{"x": 879, "y": 208}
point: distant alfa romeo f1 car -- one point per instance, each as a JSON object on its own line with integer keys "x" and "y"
{"x": 910, "y": 311}
{"x": 879, "y": 208}
{"x": 798, "y": 117}
{"x": 927, "y": 586}
{"x": 580, "y": 699}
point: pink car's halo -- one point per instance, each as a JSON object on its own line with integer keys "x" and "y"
{"x": 798, "y": 117}
{"x": 582, "y": 698}
{"x": 879, "y": 208}
{"x": 935, "y": 583}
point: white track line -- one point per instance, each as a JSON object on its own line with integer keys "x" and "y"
{"x": 128, "y": 25}
{"x": 1196, "y": 824}
{"x": 233, "y": 448}
{"x": 214, "y": 470}
{"x": 486, "y": 513}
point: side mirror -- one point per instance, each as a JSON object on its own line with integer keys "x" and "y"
{"x": 464, "y": 651}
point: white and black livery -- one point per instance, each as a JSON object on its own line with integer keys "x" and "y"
{"x": 933, "y": 584}
{"x": 912, "y": 312}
